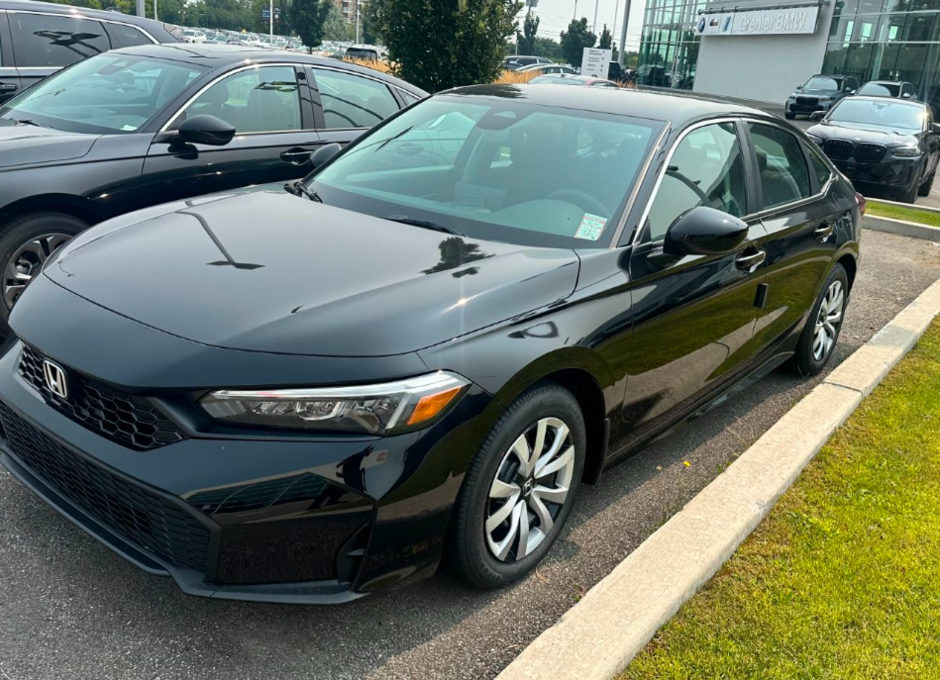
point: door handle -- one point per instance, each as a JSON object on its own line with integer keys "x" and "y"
{"x": 8, "y": 87}
{"x": 749, "y": 262}
{"x": 296, "y": 156}
{"x": 823, "y": 231}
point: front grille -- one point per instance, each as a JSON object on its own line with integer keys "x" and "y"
{"x": 128, "y": 420}
{"x": 142, "y": 517}
{"x": 869, "y": 153}
{"x": 807, "y": 101}
{"x": 838, "y": 148}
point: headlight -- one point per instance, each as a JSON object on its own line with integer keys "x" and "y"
{"x": 380, "y": 409}
{"x": 906, "y": 151}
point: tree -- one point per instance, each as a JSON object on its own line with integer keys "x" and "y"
{"x": 438, "y": 44}
{"x": 334, "y": 25}
{"x": 307, "y": 18}
{"x": 546, "y": 47}
{"x": 526, "y": 40}
{"x": 575, "y": 40}
{"x": 606, "y": 39}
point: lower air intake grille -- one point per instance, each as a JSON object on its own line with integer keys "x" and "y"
{"x": 144, "y": 518}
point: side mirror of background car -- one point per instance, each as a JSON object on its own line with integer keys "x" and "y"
{"x": 206, "y": 130}
{"x": 322, "y": 155}
{"x": 704, "y": 231}
{"x": 935, "y": 128}
{"x": 906, "y": 95}
{"x": 817, "y": 115}
{"x": 799, "y": 87}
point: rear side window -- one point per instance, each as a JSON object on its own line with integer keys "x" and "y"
{"x": 127, "y": 36}
{"x": 46, "y": 40}
{"x": 820, "y": 169}
{"x": 784, "y": 177}
{"x": 707, "y": 169}
{"x": 351, "y": 101}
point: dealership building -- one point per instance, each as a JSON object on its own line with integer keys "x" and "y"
{"x": 762, "y": 50}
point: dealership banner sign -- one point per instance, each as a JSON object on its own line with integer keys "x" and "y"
{"x": 789, "y": 21}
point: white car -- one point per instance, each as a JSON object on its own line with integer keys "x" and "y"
{"x": 191, "y": 35}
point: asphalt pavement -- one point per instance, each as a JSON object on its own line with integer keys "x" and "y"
{"x": 72, "y": 610}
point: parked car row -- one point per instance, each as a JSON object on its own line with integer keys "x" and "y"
{"x": 822, "y": 92}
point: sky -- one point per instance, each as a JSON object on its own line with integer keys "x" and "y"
{"x": 554, "y": 16}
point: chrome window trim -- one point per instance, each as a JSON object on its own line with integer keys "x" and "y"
{"x": 6, "y": 71}
{"x": 223, "y": 76}
{"x": 85, "y": 18}
{"x": 641, "y": 175}
{"x": 760, "y": 214}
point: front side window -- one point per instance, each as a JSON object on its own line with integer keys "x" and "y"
{"x": 784, "y": 177}
{"x": 46, "y": 40}
{"x": 706, "y": 169}
{"x": 263, "y": 99}
{"x": 351, "y": 101}
{"x": 496, "y": 168}
{"x": 106, "y": 94}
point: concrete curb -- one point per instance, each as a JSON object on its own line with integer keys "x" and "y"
{"x": 599, "y": 636}
{"x": 900, "y": 227}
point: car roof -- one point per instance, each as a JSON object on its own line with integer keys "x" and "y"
{"x": 221, "y": 56}
{"x": 82, "y": 12}
{"x": 674, "y": 107}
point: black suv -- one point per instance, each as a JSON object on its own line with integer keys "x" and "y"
{"x": 819, "y": 93}
{"x": 38, "y": 38}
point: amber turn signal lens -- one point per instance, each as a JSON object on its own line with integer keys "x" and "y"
{"x": 432, "y": 404}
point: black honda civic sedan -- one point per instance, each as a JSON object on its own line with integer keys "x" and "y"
{"x": 145, "y": 125}
{"x": 420, "y": 352}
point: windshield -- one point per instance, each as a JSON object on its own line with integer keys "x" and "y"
{"x": 496, "y": 168}
{"x": 821, "y": 83}
{"x": 110, "y": 93}
{"x": 880, "y": 89}
{"x": 886, "y": 114}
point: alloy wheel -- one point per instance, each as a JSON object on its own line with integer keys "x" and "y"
{"x": 530, "y": 489}
{"x": 828, "y": 320}
{"x": 26, "y": 263}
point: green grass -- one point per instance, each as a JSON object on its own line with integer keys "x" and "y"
{"x": 896, "y": 212}
{"x": 842, "y": 580}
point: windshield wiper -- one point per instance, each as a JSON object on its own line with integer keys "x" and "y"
{"x": 24, "y": 121}
{"x": 298, "y": 188}
{"x": 424, "y": 224}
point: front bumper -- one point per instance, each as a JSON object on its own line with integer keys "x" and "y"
{"x": 895, "y": 173}
{"x": 276, "y": 520}
{"x": 805, "y": 109}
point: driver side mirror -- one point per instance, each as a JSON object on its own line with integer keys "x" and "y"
{"x": 324, "y": 154}
{"x": 704, "y": 231}
{"x": 817, "y": 115}
{"x": 207, "y": 130}
{"x": 799, "y": 87}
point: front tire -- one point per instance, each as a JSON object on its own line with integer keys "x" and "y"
{"x": 519, "y": 490}
{"x": 26, "y": 243}
{"x": 823, "y": 325}
{"x": 926, "y": 187}
{"x": 788, "y": 115}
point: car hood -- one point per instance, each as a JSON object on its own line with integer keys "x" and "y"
{"x": 267, "y": 271}
{"x": 858, "y": 132}
{"x": 28, "y": 145}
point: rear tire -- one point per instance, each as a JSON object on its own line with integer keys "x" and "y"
{"x": 26, "y": 243}
{"x": 504, "y": 500}
{"x": 823, "y": 325}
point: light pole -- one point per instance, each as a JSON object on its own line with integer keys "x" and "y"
{"x": 623, "y": 32}
{"x": 594, "y": 25}
{"x": 141, "y": 8}
{"x": 357, "y": 22}
{"x": 154, "y": 10}
{"x": 271, "y": 22}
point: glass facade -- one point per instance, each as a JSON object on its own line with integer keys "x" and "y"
{"x": 669, "y": 43}
{"x": 887, "y": 40}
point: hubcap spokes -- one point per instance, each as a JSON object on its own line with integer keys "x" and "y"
{"x": 26, "y": 263}
{"x": 828, "y": 320}
{"x": 530, "y": 489}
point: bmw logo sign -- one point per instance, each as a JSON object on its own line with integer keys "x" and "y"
{"x": 701, "y": 25}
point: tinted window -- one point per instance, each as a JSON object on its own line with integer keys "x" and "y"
{"x": 46, "y": 40}
{"x": 879, "y": 90}
{"x": 784, "y": 176}
{"x": 128, "y": 36}
{"x": 820, "y": 169}
{"x": 707, "y": 169}
{"x": 408, "y": 97}
{"x": 363, "y": 54}
{"x": 255, "y": 100}
{"x": 887, "y": 113}
{"x": 821, "y": 83}
{"x": 106, "y": 94}
{"x": 496, "y": 169}
{"x": 351, "y": 101}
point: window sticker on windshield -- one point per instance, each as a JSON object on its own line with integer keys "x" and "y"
{"x": 591, "y": 227}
